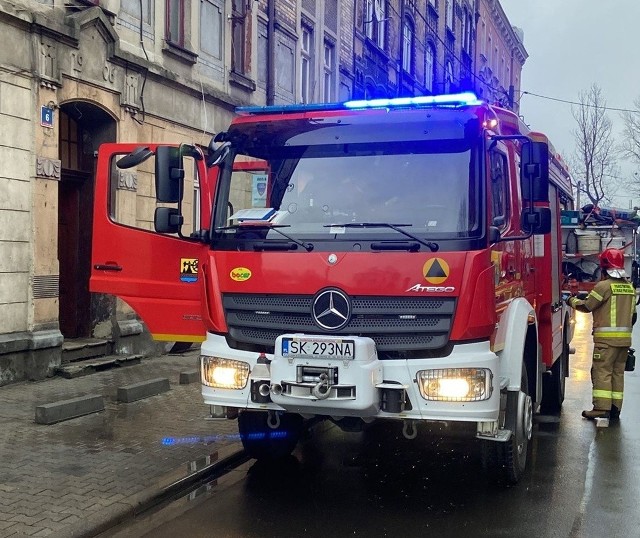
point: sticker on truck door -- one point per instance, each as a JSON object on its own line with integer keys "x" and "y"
{"x": 189, "y": 269}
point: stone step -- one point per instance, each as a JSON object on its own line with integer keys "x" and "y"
{"x": 78, "y": 349}
{"x": 96, "y": 364}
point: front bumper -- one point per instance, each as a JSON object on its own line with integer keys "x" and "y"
{"x": 363, "y": 386}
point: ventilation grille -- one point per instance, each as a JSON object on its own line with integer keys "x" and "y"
{"x": 46, "y": 286}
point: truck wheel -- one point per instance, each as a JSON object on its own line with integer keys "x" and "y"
{"x": 261, "y": 441}
{"x": 553, "y": 386}
{"x": 512, "y": 455}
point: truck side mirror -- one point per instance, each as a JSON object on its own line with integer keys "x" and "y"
{"x": 167, "y": 220}
{"x": 537, "y": 220}
{"x": 534, "y": 171}
{"x": 169, "y": 174}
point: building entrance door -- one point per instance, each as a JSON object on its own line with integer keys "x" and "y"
{"x": 82, "y": 128}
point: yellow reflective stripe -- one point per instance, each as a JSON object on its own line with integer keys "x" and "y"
{"x": 178, "y": 337}
{"x": 613, "y": 313}
{"x": 595, "y": 295}
{"x": 616, "y": 395}
{"x": 606, "y": 334}
{"x": 612, "y": 329}
{"x": 597, "y": 393}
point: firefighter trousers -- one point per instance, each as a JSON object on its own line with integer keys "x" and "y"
{"x": 607, "y": 375}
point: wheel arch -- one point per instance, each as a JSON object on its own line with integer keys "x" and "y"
{"x": 518, "y": 329}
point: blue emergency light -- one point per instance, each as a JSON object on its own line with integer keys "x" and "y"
{"x": 452, "y": 100}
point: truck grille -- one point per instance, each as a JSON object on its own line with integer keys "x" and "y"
{"x": 257, "y": 320}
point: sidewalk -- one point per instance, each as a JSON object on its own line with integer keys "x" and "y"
{"x": 65, "y": 479}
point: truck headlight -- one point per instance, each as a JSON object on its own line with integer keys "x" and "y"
{"x": 455, "y": 384}
{"x": 223, "y": 373}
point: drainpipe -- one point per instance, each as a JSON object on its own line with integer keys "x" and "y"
{"x": 400, "y": 67}
{"x": 271, "y": 52}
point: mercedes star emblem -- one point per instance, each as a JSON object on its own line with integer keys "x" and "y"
{"x": 331, "y": 309}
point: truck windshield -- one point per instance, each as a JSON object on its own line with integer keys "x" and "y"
{"x": 312, "y": 182}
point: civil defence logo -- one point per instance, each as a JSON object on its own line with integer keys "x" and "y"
{"x": 436, "y": 271}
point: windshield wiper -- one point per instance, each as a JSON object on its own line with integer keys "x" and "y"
{"x": 307, "y": 246}
{"x": 397, "y": 227}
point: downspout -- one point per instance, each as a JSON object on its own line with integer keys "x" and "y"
{"x": 271, "y": 50}
{"x": 401, "y": 33}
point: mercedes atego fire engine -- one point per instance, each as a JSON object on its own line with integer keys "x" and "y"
{"x": 392, "y": 259}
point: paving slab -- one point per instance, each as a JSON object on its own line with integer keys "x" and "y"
{"x": 78, "y": 475}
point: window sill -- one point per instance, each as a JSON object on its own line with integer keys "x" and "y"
{"x": 179, "y": 52}
{"x": 241, "y": 81}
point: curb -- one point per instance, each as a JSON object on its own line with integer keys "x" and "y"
{"x": 120, "y": 512}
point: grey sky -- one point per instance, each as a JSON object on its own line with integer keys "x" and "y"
{"x": 572, "y": 44}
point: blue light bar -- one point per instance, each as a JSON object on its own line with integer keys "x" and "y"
{"x": 456, "y": 99}
{"x": 278, "y": 109}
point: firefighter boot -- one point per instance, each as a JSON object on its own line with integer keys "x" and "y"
{"x": 596, "y": 413}
{"x": 614, "y": 414}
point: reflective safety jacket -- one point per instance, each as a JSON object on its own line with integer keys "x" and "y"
{"x": 613, "y": 305}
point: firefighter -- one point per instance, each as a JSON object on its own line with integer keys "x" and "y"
{"x": 613, "y": 306}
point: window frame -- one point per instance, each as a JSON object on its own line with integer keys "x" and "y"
{"x": 238, "y": 26}
{"x": 180, "y": 41}
{"x": 220, "y": 5}
{"x": 408, "y": 38}
{"x": 504, "y": 199}
{"x": 429, "y": 66}
{"x": 328, "y": 70}
{"x": 306, "y": 63}
{"x": 132, "y": 18}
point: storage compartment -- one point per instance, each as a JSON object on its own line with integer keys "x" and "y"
{"x": 588, "y": 242}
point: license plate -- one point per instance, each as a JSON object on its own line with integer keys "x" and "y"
{"x": 307, "y": 348}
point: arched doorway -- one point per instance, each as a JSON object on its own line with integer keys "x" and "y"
{"x": 83, "y": 127}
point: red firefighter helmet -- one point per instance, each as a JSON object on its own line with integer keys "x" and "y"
{"x": 612, "y": 258}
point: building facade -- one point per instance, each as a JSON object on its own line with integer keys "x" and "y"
{"x": 80, "y": 73}
{"x": 500, "y": 56}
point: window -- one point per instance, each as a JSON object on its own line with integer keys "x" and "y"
{"x": 449, "y": 14}
{"x": 306, "y": 65}
{"x": 132, "y": 8}
{"x": 238, "y": 30}
{"x": 175, "y": 22}
{"x": 499, "y": 189}
{"x": 448, "y": 77}
{"x": 329, "y": 72}
{"x": 70, "y": 143}
{"x": 429, "y": 66}
{"x": 211, "y": 28}
{"x": 407, "y": 45}
{"x": 466, "y": 30}
{"x": 375, "y": 19}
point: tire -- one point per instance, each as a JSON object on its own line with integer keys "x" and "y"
{"x": 261, "y": 441}
{"x": 554, "y": 385}
{"x": 513, "y": 454}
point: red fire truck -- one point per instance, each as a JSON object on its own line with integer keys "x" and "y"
{"x": 394, "y": 259}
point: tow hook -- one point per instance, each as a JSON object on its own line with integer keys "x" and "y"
{"x": 273, "y": 420}
{"x": 321, "y": 391}
{"x": 409, "y": 429}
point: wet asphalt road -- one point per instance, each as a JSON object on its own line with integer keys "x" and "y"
{"x": 582, "y": 482}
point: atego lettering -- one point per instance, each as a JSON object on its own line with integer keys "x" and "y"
{"x": 432, "y": 289}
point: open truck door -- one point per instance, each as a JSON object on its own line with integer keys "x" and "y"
{"x": 145, "y": 251}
